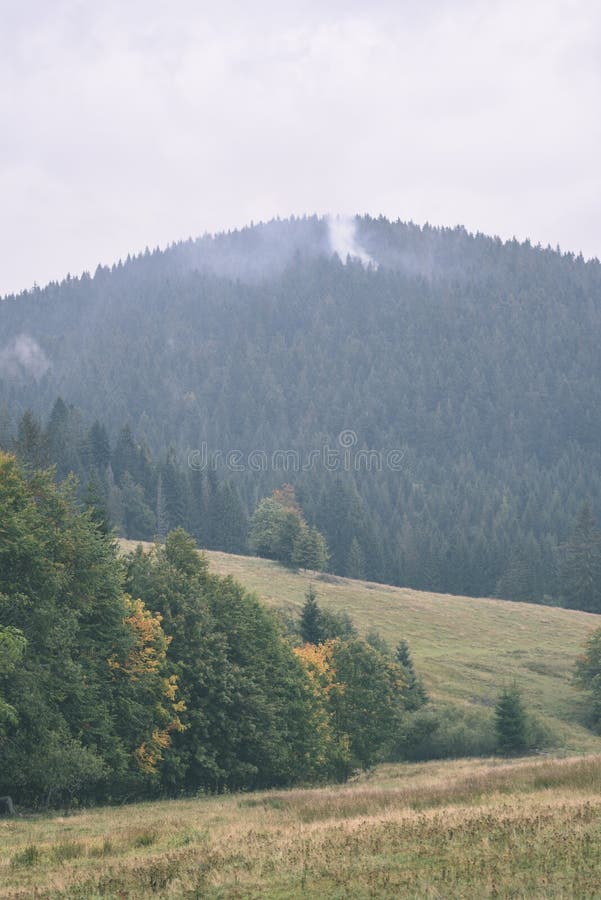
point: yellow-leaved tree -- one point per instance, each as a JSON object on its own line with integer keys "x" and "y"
{"x": 148, "y": 695}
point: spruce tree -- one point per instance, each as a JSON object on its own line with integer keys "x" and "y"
{"x": 99, "y": 448}
{"x": 95, "y": 502}
{"x": 355, "y": 564}
{"x": 161, "y": 512}
{"x": 581, "y": 564}
{"x": 310, "y": 550}
{"x": 510, "y": 722}
{"x": 416, "y": 693}
{"x": 310, "y": 622}
{"x": 31, "y": 445}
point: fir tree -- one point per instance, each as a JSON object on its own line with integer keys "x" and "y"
{"x": 355, "y": 564}
{"x": 310, "y": 622}
{"x": 162, "y": 523}
{"x": 95, "y": 502}
{"x": 416, "y": 693}
{"x": 581, "y": 564}
{"x": 31, "y": 445}
{"x": 510, "y": 722}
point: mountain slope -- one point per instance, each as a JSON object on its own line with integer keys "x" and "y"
{"x": 466, "y": 648}
{"x": 475, "y": 360}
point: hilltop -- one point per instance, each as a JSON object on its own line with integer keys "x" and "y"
{"x": 466, "y": 648}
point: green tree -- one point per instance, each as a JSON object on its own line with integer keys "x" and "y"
{"x": 31, "y": 445}
{"x": 580, "y": 567}
{"x": 99, "y": 448}
{"x": 139, "y": 519}
{"x": 310, "y": 550}
{"x": 265, "y": 528}
{"x": 310, "y": 625}
{"x": 162, "y": 520}
{"x": 95, "y": 503}
{"x": 588, "y": 676}
{"x": 355, "y": 564}
{"x": 369, "y": 707}
{"x": 279, "y": 531}
{"x": 65, "y": 769}
{"x": 337, "y": 624}
{"x": 511, "y": 722}
{"x": 416, "y": 695}
{"x": 12, "y": 648}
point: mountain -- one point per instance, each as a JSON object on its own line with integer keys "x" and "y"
{"x": 466, "y": 368}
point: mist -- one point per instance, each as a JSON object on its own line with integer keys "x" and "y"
{"x": 23, "y": 355}
{"x": 342, "y": 232}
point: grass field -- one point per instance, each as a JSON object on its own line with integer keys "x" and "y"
{"x": 463, "y": 829}
{"x": 465, "y": 648}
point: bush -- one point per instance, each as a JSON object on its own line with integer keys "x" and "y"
{"x": 451, "y": 732}
{"x": 444, "y": 732}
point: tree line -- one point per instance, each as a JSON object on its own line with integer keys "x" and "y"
{"x": 145, "y": 675}
{"x": 143, "y": 497}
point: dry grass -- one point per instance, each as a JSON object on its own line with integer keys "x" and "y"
{"x": 465, "y": 647}
{"x": 469, "y": 829}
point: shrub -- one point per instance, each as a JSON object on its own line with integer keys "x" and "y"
{"x": 444, "y": 732}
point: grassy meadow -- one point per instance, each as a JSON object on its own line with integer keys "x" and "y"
{"x": 465, "y": 648}
{"x": 468, "y": 829}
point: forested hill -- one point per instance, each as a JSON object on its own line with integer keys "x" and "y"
{"x": 477, "y": 360}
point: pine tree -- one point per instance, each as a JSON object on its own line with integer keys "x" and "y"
{"x": 95, "y": 502}
{"x": 309, "y": 551}
{"x": 588, "y": 676}
{"x": 510, "y": 722}
{"x": 319, "y": 550}
{"x": 161, "y": 512}
{"x": 355, "y": 564}
{"x": 31, "y": 445}
{"x": 416, "y": 693}
{"x": 139, "y": 519}
{"x": 124, "y": 457}
{"x": 310, "y": 621}
{"x": 580, "y": 567}
{"x": 99, "y": 448}
{"x": 301, "y": 552}
{"x": 6, "y": 430}
{"x": 114, "y": 502}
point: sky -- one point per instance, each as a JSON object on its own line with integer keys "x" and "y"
{"x": 131, "y": 124}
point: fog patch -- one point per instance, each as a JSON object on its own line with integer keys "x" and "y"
{"x": 23, "y": 356}
{"x": 342, "y": 232}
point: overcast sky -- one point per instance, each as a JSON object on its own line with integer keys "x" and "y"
{"x": 125, "y": 124}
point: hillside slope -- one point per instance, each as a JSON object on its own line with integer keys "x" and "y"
{"x": 475, "y": 362}
{"x": 466, "y": 648}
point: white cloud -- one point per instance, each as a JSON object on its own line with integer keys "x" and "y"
{"x": 138, "y": 123}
